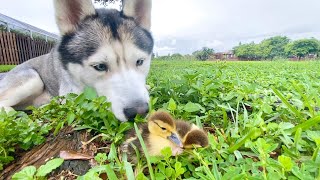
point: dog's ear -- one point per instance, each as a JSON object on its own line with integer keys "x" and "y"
{"x": 140, "y": 10}
{"x": 69, "y": 13}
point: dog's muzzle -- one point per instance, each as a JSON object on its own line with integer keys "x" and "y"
{"x": 140, "y": 109}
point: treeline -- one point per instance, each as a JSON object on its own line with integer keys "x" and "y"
{"x": 278, "y": 47}
{"x": 175, "y": 56}
{"x": 204, "y": 54}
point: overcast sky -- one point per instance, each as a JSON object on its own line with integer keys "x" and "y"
{"x": 184, "y": 26}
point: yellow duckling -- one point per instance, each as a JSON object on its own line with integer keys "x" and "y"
{"x": 159, "y": 132}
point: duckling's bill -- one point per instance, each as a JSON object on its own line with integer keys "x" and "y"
{"x": 175, "y": 139}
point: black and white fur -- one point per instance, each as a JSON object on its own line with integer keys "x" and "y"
{"x": 108, "y": 50}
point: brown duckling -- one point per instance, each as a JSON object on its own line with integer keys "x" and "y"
{"x": 183, "y": 127}
{"x": 191, "y": 135}
{"x": 159, "y": 132}
{"x": 195, "y": 139}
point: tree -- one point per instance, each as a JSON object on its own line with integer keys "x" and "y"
{"x": 203, "y": 54}
{"x": 273, "y": 47}
{"x": 303, "y": 47}
{"x": 266, "y": 49}
{"x": 249, "y": 51}
{"x": 176, "y": 56}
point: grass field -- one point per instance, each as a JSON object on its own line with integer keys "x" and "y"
{"x": 5, "y": 68}
{"x": 261, "y": 112}
{"x": 262, "y": 118}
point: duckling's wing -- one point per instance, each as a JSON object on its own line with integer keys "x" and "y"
{"x": 133, "y": 150}
{"x": 132, "y": 132}
{"x": 182, "y": 127}
{"x": 144, "y": 132}
{"x": 132, "y": 143}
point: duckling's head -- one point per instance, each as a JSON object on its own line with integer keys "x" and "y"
{"x": 195, "y": 138}
{"x": 162, "y": 124}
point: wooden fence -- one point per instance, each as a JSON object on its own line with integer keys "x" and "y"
{"x": 16, "y": 49}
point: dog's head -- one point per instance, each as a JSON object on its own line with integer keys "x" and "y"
{"x": 108, "y": 50}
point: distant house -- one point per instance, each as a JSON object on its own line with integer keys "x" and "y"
{"x": 13, "y": 24}
{"x": 307, "y": 57}
{"x": 21, "y": 41}
{"x": 229, "y": 55}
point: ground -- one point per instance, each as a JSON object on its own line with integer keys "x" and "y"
{"x": 262, "y": 119}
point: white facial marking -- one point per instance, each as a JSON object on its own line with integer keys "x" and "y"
{"x": 124, "y": 89}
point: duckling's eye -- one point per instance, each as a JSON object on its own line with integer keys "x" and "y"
{"x": 163, "y": 128}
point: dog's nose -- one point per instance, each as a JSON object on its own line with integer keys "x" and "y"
{"x": 132, "y": 112}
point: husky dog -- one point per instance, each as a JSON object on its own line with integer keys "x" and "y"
{"x": 107, "y": 50}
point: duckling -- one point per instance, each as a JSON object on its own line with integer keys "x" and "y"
{"x": 195, "y": 139}
{"x": 159, "y": 132}
{"x": 183, "y": 127}
{"x": 191, "y": 135}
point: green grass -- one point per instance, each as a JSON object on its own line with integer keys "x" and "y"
{"x": 263, "y": 119}
{"x": 6, "y": 68}
{"x": 255, "y": 108}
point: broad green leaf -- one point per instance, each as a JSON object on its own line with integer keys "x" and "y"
{"x": 172, "y": 106}
{"x": 169, "y": 171}
{"x": 160, "y": 176}
{"x": 90, "y": 93}
{"x": 26, "y": 173}
{"x": 302, "y": 175}
{"x": 267, "y": 108}
{"x": 49, "y": 167}
{"x": 124, "y": 127}
{"x": 70, "y": 117}
{"x": 192, "y": 107}
{"x": 285, "y": 162}
{"x": 154, "y": 101}
{"x": 161, "y": 167}
{"x": 285, "y": 125}
{"x": 178, "y": 169}
{"x": 141, "y": 176}
{"x": 101, "y": 157}
{"x": 166, "y": 152}
{"x": 231, "y": 173}
{"x": 91, "y": 175}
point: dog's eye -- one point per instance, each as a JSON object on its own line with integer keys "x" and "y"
{"x": 100, "y": 67}
{"x": 139, "y": 62}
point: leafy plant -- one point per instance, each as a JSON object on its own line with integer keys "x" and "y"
{"x": 31, "y": 173}
{"x": 84, "y": 112}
